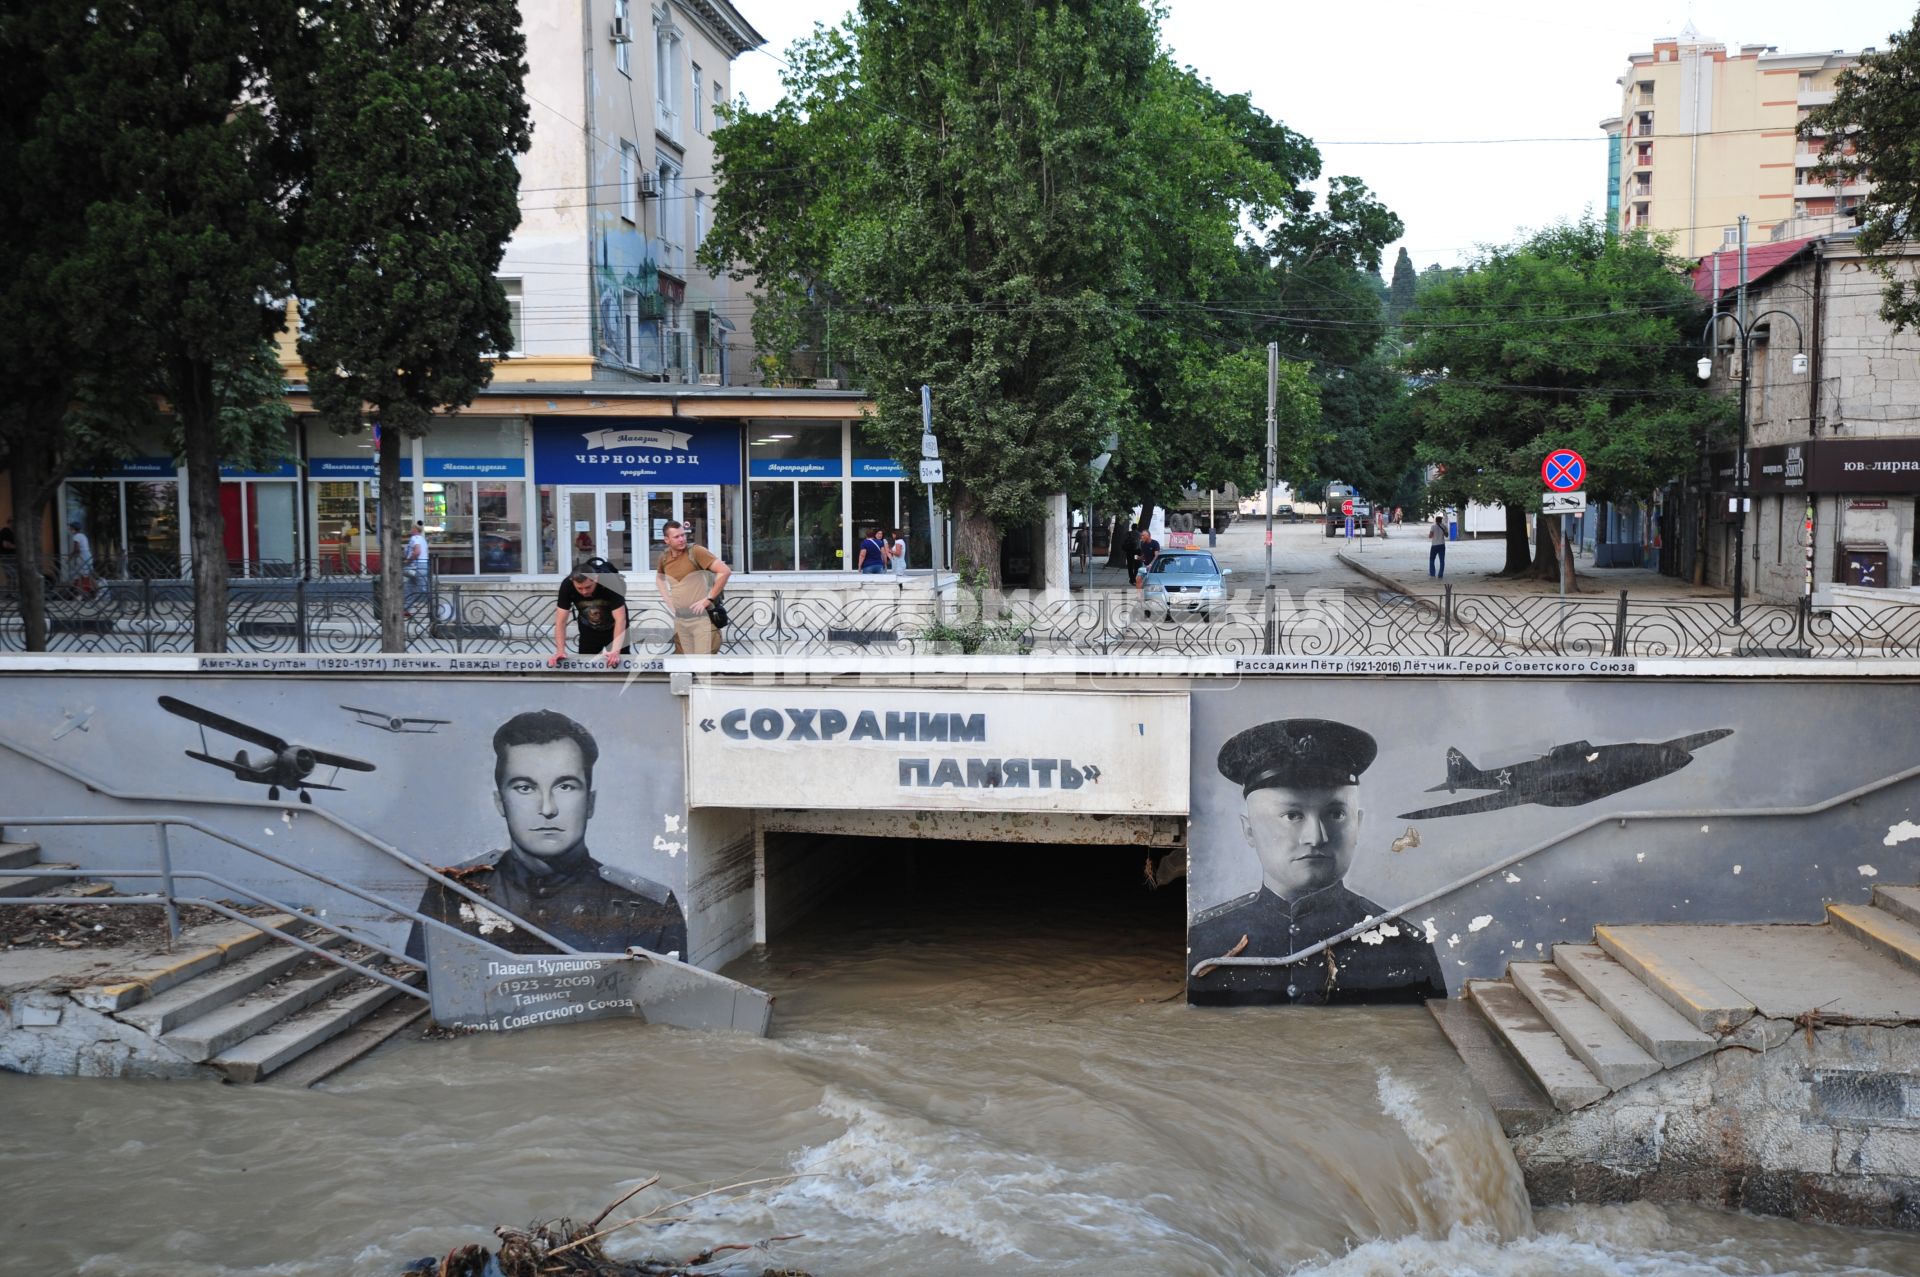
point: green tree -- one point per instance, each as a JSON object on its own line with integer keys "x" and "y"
{"x": 1026, "y": 206}
{"x": 1867, "y": 134}
{"x": 1573, "y": 338}
{"x": 39, "y": 238}
{"x": 1400, "y": 292}
{"x": 418, "y": 113}
{"x": 1196, "y": 366}
{"x": 188, "y": 238}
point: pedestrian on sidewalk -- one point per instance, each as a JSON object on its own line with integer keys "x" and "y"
{"x": 1149, "y": 551}
{"x": 1437, "y": 547}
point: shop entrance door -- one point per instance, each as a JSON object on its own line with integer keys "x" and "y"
{"x": 627, "y": 526}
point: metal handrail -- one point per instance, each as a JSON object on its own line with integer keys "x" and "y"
{"x": 426, "y": 871}
{"x": 1708, "y": 813}
{"x": 170, "y": 899}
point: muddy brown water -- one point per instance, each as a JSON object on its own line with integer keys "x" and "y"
{"x": 981, "y": 1067}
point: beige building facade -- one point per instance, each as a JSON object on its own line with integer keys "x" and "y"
{"x": 1706, "y": 133}
{"x": 618, "y": 192}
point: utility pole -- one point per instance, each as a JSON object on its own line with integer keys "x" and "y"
{"x": 1740, "y": 456}
{"x": 1273, "y": 446}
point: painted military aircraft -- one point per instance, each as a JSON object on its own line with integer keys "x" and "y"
{"x": 286, "y": 765}
{"x": 394, "y": 723}
{"x": 1565, "y": 776}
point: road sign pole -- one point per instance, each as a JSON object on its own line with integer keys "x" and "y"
{"x": 933, "y": 541}
{"x": 1273, "y": 454}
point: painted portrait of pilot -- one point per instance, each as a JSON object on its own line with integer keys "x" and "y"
{"x": 543, "y": 788}
{"x": 1301, "y": 817}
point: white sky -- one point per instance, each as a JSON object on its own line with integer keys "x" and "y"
{"x": 1436, "y": 74}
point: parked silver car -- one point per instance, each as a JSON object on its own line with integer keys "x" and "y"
{"x": 1184, "y": 581}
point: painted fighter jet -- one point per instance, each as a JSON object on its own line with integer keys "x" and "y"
{"x": 393, "y": 723}
{"x": 1566, "y": 775}
{"x": 288, "y": 764}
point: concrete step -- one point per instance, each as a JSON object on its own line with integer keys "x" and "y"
{"x": 1523, "y": 1031}
{"x": 323, "y": 1061}
{"x": 213, "y": 1033}
{"x": 293, "y": 1037}
{"x": 1881, "y": 931}
{"x": 1902, "y": 902}
{"x": 230, "y": 982}
{"x": 1588, "y": 1031}
{"x": 1641, "y": 1013}
{"x": 201, "y": 949}
{"x": 16, "y": 886}
{"x": 18, "y": 855}
{"x": 1516, "y": 1099}
{"x": 1705, "y": 1001}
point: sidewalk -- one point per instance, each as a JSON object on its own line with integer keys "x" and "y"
{"x": 1400, "y": 562}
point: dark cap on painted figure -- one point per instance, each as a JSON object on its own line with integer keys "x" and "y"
{"x": 1298, "y": 753}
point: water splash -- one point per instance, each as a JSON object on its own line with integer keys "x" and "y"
{"x": 1474, "y": 1182}
{"x": 911, "y": 1176}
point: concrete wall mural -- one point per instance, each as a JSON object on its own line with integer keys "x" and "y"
{"x": 561, "y": 799}
{"x": 1319, "y": 805}
{"x": 626, "y": 290}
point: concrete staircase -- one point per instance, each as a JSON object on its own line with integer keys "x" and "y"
{"x": 228, "y": 1000}
{"x": 1555, "y": 1037}
{"x": 18, "y": 863}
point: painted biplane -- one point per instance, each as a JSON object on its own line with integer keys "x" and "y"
{"x": 286, "y": 765}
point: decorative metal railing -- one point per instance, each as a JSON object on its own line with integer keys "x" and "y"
{"x": 340, "y": 615}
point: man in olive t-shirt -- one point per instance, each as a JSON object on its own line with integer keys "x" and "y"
{"x": 690, "y": 578}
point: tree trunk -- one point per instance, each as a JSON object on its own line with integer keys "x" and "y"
{"x": 1546, "y": 558}
{"x": 396, "y": 524}
{"x": 976, "y": 539}
{"x": 27, "y": 479}
{"x": 193, "y": 400}
{"x": 1519, "y": 553}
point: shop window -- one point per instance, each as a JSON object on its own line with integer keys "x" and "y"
{"x": 346, "y": 527}
{"x": 258, "y": 518}
{"x": 132, "y": 527}
{"x": 473, "y": 497}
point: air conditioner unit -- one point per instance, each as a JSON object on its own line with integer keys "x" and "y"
{"x": 622, "y": 33}
{"x": 649, "y": 187}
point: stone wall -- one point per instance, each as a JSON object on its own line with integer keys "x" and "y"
{"x": 1821, "y": 1124}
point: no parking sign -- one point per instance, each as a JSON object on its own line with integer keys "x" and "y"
{"x": 1564, "y": 470}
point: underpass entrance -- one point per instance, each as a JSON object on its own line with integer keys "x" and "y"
{"x": 1075, "y": 886}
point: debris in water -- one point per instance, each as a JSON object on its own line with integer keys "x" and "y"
{"x": 563, "y": 1248}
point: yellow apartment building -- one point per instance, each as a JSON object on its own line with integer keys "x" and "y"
{"x": 1706, "y": 133}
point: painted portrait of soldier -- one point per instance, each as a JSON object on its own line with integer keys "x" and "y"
{"x": 543, "y": 787}
{"x": 1301, "y": 817}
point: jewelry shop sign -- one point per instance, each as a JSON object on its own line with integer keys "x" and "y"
{"x": 914, "y": 750}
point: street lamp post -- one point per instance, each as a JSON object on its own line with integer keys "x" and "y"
{"x": 1743, "y": 331}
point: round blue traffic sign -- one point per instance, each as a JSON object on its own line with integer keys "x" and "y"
{"x": 1564, "y": 470}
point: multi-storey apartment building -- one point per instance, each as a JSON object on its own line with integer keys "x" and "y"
{"x": 618, "y": 192}
{"x": 1705, "y": 134}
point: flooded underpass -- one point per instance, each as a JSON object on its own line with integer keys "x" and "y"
{"x": 980, "y": 1061}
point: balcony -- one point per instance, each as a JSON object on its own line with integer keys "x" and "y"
{"x": 1814, "y": 97}
{"x": 1819, "y": 190}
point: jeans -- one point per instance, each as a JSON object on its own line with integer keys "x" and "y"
{"x": 416, "y": 587}
{"x": 1437, "y": 559}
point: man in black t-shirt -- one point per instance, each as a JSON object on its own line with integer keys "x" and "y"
{"x": 590, "y": 596}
